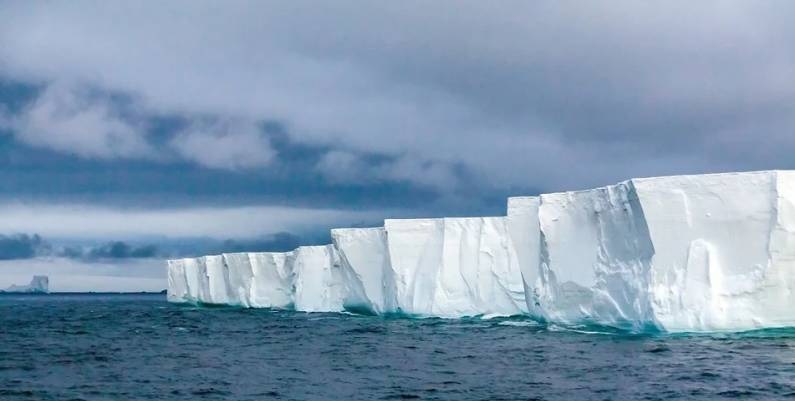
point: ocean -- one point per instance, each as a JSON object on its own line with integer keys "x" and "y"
{"x": 139, "y": 347}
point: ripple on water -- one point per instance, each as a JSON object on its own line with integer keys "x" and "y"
{"x": 140, "y": 347}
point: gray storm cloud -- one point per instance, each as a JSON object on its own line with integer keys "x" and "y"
{"x": 552, "y": 95}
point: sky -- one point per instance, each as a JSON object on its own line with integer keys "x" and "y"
{"x": 131, "y": 132}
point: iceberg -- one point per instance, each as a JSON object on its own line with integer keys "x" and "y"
{"x": 710, "y": 252}
{"x": 37, "y": 285}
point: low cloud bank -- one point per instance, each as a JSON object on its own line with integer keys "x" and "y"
{"x": 22, "y": 246}
{"x": 29, "y": 246}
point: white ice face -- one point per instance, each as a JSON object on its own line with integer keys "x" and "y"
{"x": 683, "y": 253}
{"x": 594, "y": 258}
{"x": 196, "y": 280}
{"x": 365, "y": 266}
{"x": 723, "y": 250}
{"x": 455, "y": 267}
{"x": 319, "y": 285}
{"x": 178, "y": 290}
{"x": 239, "y": 278}
{"x": 415, "y": 254}
{"x": 272, "y": 279}
{"x": 525, "y": 239}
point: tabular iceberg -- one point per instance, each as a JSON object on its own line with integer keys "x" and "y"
{"x": 681, "y": 253}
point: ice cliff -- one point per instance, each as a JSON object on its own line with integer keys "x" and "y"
{"x": 682, "y": 253}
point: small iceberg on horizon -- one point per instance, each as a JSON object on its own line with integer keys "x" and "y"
{"x": 37, "y": 285}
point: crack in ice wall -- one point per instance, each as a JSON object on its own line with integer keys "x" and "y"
{"x": 682, "y": 253}
{"x": 525, "y": 245}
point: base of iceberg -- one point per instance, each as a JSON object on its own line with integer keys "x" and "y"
{"x": 684, "y": 253}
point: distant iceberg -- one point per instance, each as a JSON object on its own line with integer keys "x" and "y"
{"x": 39, "y": 284}
{"x": 682, "y": 253}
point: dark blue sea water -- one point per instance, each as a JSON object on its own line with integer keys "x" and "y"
{"x": 138, "y": 347}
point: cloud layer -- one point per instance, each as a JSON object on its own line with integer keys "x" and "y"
{"x": 91, "y": 222}
{"x": 27, "y": 246}
{"x": 21, "y": 246}
{"x": 516, "y": 94}
{"x": 71, "y": 120}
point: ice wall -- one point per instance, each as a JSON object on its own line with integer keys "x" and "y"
{"x": 365, "y": 265}
{"x": 525, "y": 240}
{"x": 415, "y": 254}
{"x": 308, "y": 279}
{"x": 683, "y": 253}
{"x": 723, "y": 249}
{"x": 594, "y": 257}
{"x": 196, "y": 281}
{"x": 454, "y": 267}
{"x": 238, "y": 275}
{"x": 319, "y": 285}
{"x": 272, "y": 279}
{"x": 178, "y": 289}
